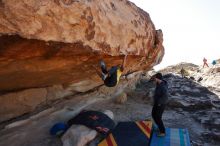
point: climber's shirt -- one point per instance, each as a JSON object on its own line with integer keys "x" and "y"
{"x": 113, "y": 77}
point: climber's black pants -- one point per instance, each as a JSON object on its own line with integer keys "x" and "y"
{"x": 157, "y": 112}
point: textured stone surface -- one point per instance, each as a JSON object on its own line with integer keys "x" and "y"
{"x": 61, "y": 40}
{"x": 111, "y": 26}
{"x": 56, "y": 92}
{"x": 16, "y": 104}
{"x": 32, "y": 63}
{"x": 52, "y": 45}
{"x": 121, "y": 98}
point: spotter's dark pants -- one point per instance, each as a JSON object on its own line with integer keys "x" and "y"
{"x": 157, "y": 112}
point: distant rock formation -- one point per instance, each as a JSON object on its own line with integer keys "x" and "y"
{"x": 177, "y": 67}
{"x": 52, "y": 45}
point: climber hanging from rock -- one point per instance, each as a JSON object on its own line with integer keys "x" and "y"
{"x": 111, "y": 77}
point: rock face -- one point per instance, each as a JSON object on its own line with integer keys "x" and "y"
{"x": 111, "y": 26}
{"x": 121, "y": 98}
{"x": 21, "y": 102}
{"x": 53, "y": 44}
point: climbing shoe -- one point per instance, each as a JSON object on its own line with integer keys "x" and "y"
{"x": 161, "y": 134}
{"x": 102, "y": 64}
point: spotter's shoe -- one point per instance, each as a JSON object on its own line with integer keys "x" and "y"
{"x": 160, "y": 134}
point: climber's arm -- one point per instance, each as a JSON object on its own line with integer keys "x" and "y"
{"x": 123, "y": 63}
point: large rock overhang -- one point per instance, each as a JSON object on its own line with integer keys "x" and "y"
{"x": 49, "y": 42}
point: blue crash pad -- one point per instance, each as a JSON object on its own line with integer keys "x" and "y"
{"x": 174, "y": 137}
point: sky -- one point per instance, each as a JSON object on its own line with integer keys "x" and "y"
{"x": 191, "y": 29}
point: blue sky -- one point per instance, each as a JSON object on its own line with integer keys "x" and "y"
{"x": 191, "y": 28}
